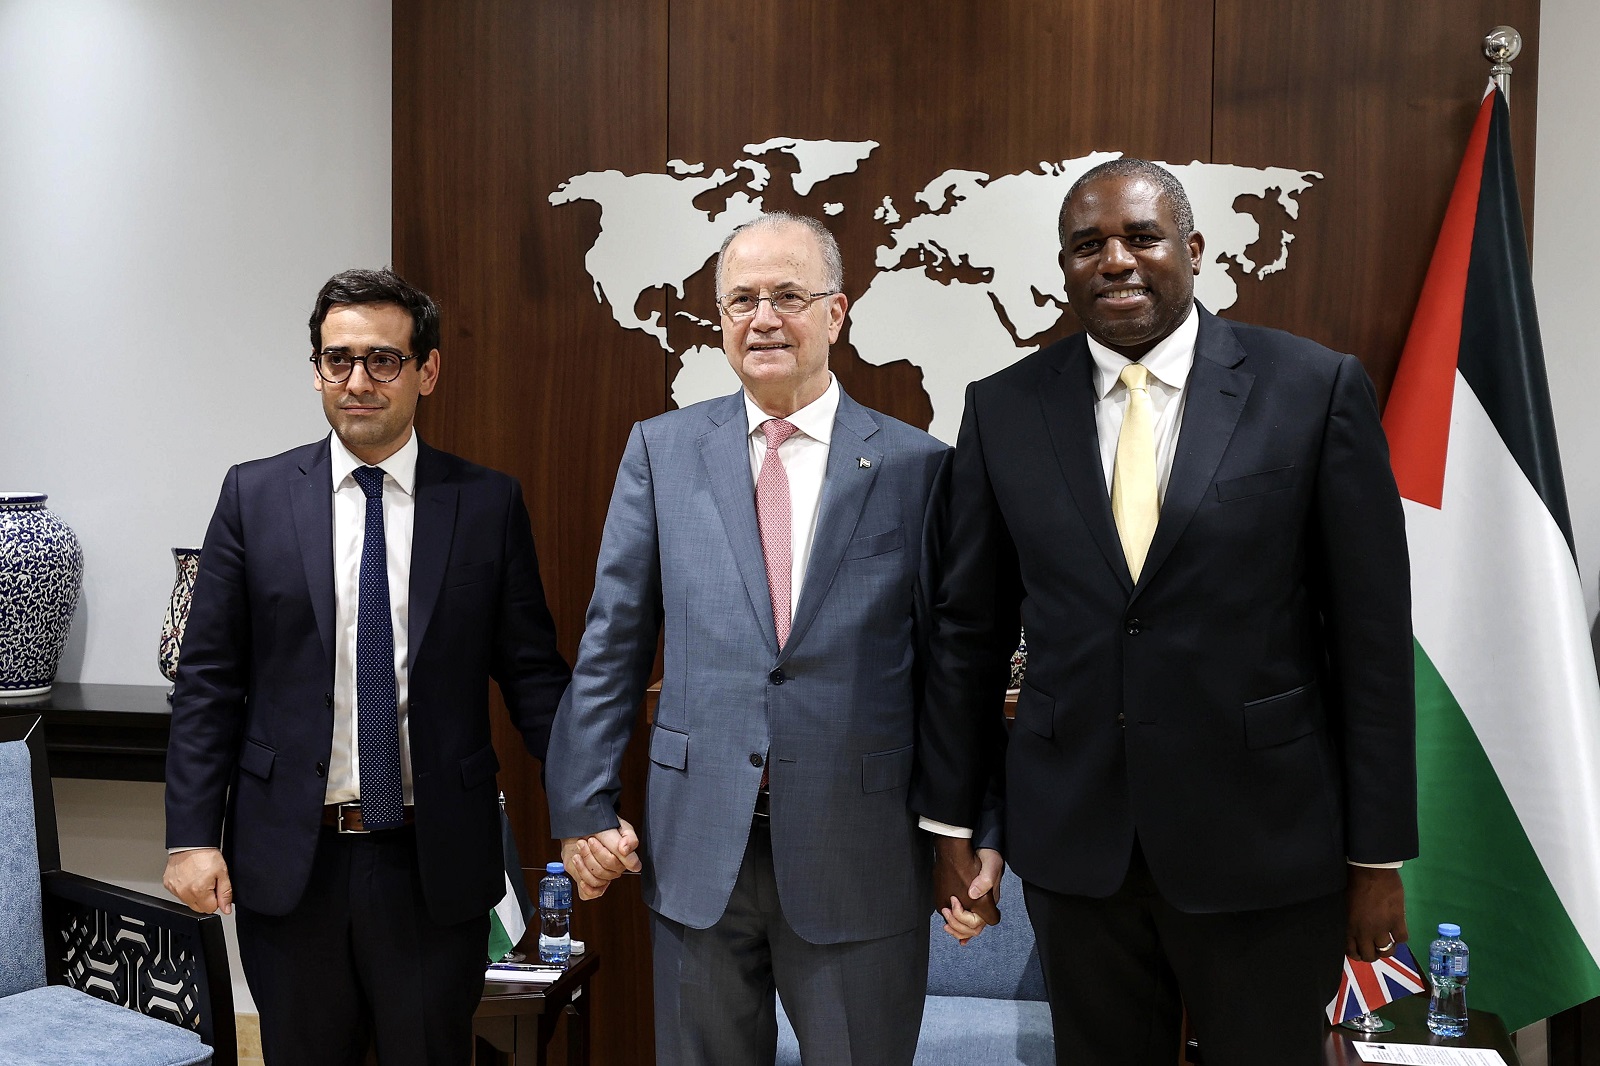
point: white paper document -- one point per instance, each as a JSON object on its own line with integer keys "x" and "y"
{"x": 1427, "y": 1054}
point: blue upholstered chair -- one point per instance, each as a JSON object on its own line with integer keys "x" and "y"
{"x": 76, "y": 954}
{"x": 986, "y": 1001}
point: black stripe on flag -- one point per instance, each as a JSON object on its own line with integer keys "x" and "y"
{"x": 1501, "y": 355}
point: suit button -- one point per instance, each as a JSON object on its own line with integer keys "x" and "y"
{"x": 755, "y": 759}
{"x": 322, "y": 769}
{"x": 1135, "y": 627}
{"x": 777, "y": 677}
{"x": 327, "y": 699}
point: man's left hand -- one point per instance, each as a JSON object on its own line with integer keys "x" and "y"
{"x": 1377, "y": 913}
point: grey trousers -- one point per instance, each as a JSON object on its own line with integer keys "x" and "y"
{"x": 852, "y": 1004}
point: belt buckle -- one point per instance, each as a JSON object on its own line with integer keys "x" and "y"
{"x": 339, "y": 822}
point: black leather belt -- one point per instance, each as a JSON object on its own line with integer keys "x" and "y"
{"x": 763, "y": 804}
{"x": 346, "y": 817}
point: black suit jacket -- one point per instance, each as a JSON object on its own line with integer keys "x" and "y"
{"x": 1246, "y": 709}
{"x": 252, "y": 716}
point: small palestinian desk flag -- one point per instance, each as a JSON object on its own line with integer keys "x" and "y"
{"x": 1366, "y": 986}
{"x": 509, "y": 919}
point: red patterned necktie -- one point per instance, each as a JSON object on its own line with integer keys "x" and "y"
{"x": 772, "y": 514}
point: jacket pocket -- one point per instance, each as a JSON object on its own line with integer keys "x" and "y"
{"x": 479, "y": 767}
{"x": 1281, "y": 718}
{"x": 883, "y": 770}
{"x": 1036, "y": 710}
{"x": 256, "y": 758}
{"x": 669, "y": 748}
{"x": 468, "y": 574}
{"x": 1237, "y": 488}
{"x": 877, "y": 544}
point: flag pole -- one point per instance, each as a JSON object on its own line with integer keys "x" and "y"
{"x": 1500, "y": 46}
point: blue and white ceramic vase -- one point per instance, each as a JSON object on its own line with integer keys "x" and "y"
{"x": 41, "y": 574}
{"x": 187, "y": 561}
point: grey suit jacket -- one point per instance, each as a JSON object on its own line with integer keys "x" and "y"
{"x": 832, "y": 715}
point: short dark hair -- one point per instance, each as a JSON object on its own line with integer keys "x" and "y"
{"x": 379, "y": 287}
{"x": 1128, "y": 167}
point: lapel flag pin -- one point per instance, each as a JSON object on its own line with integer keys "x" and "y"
{"x": 866, "y": 464}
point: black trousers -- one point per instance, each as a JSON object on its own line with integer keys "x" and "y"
{"x": 1120, "y": 970}
{"x": 359, "y": 961}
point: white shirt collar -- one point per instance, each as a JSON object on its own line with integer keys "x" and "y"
{"x": 1168, "y": 362}
{"x": 815, "y": 419}
{"x": 402, "y": 465}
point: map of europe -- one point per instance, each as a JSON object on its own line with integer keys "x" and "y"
{"x": 965, "y": 277}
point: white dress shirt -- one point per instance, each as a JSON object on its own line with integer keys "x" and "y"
{"x": 349, "y": 531}
{"x": 805, "y": 461}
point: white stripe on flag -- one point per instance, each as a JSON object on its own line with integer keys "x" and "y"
{"x": 1499, "y": 610}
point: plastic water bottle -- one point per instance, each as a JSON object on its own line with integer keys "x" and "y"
{"x": 555, "y": 915}
{"x": 1447, "y": 973}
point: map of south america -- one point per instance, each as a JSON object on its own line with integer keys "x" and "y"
{"x": 965, "y": 278}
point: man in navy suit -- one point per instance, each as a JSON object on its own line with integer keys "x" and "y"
{"x": 775, "y": 537}
{"x": 330, "y": 773}
{"x": 1212, "y": 774}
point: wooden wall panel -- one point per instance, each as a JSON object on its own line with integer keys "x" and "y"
{"x": 1379, "y": 97}
{"x": 496, "y": 102}
{"x": 995, "y": 87}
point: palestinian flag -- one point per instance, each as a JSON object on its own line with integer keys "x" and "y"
{"x": 1508, "y": 707}
{"x": 509, "y": 919}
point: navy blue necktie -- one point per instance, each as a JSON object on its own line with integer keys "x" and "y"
{"x": 377, "y": 706}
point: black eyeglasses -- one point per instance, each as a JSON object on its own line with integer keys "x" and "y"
{"x": 382, "y": 365}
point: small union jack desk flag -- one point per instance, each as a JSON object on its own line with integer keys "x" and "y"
{"x": 1366, "y": 986}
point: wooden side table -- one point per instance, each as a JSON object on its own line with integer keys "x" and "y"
{"x": 1410, "y": 1017}
{"x": 515, "y": 1021}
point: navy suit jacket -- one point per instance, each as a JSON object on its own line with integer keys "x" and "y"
{"x": 831, "y": 715}
{"x": 252, "y": 716}
{"x": 1246, "y": 708}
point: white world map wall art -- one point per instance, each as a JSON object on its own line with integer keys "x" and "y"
{"x": 998, "y": 229}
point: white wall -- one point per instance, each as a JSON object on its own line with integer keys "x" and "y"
{"x": 1566, "y": 235}
{"x": 177, "y": 179}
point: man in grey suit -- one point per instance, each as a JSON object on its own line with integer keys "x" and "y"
{"x": 776, "y": 534}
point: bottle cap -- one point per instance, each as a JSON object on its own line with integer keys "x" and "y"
{"x": 554, "y": 868}
{"x": 1449, "y": 929}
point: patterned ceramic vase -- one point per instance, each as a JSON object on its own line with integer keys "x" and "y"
{"x": 177, "y": 616}
{"x": 1019, "y": 662}
{"x": 41, "y": 574}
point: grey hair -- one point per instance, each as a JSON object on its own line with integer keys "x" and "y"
{"x": 832, "y": 261}
{"x": 1127, "y": 167}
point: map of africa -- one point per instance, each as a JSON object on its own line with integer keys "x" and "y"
{"x": 965, "y": 278}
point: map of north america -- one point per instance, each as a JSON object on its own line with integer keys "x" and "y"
{"x": 965, "y": 278}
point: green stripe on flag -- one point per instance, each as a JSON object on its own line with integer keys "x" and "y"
{"x": 1479, "y": 870}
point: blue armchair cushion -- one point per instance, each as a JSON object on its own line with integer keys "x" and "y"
{"x": 21, "y": 923}
{"x": 60, "y": 1026}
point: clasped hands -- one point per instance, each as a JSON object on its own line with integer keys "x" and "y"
{"x": 600, "y": 858}
{"x": 966, "y": 886}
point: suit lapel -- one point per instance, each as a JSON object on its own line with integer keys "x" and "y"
{"x": 845, "y": 488}
{"x": 1215, "y": 397}
{"x": 1067, "y": 401}
{"x": 311, "y": 501}
{"x": 433, "y": 527}
{"x": 725, "y": 453}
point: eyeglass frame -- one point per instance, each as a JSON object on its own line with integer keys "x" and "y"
{"x": 811, "y": 299}
{"x": 316, "y": 363}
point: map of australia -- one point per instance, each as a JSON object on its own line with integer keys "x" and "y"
{"x": 965, "y": 278}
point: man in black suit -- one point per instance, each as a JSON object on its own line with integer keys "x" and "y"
{"x": 330, "y": 769}
{"x": 1211, "y": 777}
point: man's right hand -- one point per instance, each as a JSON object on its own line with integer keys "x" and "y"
{"x": 966, "y": 886}
{"x": 199, "y": 877}
{"x": 597, "y": 860}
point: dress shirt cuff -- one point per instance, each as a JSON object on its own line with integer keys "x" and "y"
{"x": 944, "y": 829}
{"x": 1376, "y": 865}
{"x": 194, "y": 847}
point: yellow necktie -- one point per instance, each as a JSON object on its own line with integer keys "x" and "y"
{"x": 1133, "y": 477}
